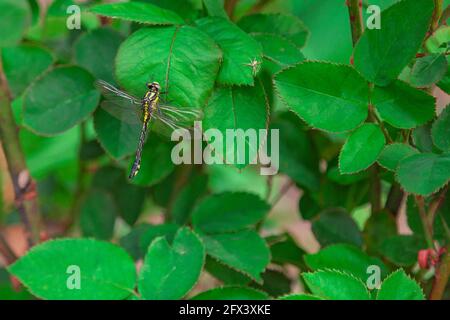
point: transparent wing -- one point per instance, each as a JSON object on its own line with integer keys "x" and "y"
{"x": 108, "y": 90}
{"x": 123, "y": 113}
{"x": 171, "y": 118}
{"x": 120, "y": 104}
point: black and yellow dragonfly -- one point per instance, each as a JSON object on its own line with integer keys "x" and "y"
{"x": 141, "y": 112}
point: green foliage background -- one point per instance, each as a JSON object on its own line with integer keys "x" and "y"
{"x": 359, "y": 131}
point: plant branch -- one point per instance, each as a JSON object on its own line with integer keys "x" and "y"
{"x": 259, "y": 6}
{"x": 24, "y": 185}
{"x": 6, "y": 251}
{"x": 394, "y": 199}
{"x": 80, "y": 188}
{"x": 427, "y": 227}
{"x": 436, "y": 204}
{"x": 229, "y": 7}
{"x": 438, "y": 8}
{"x": 284, "y": 189}
{"x": 441, "y": 277}
{"x": 356, "y": 19}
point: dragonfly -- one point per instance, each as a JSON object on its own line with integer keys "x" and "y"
{"x": 142, "y": 112}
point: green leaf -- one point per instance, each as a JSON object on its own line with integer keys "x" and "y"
{"x": 59, "y": 100}
{"x": 118, "y": 138}
{"x": 336, "y": 226}
{"x": 377, "y": 228}
{"x": 444, "y": 84}
{"x": 188, "y": 9}
{"x": 346, "y": 258}
{"x": 275, "y": 283}
{"x": 106, "y": 271}
{"x": 345, "y": 179}
{"x": 236, "y": 108}
{"x": 434, "y": 173}
{"x": 301, "y": 296}
{"x": 166, "y": 230}
{"x": 98, "y": 215}
{"x": 95, "y": 51}
{"x": 428, "y": 70}
{"x": 131, "y": 241}
{"x": 440, "y": 132}
{"x": 239, "y": 49}
{"x": 23, "y": 64}
{"x": 295, "y": 148}
{"x": 231, "y": 293}
{"x": 284, "y": 250}
{"x": 381, "y": 54}
{"x": 127, "y": 198}
{"x": 287, "y": 26}
{"x": 422, "y": 139}
{"x": 327, "y": 96}
{"x": 399, "y": 286}
{"x": 402, "y": 250}
{"x": 361, "y": 149}
{"x": 171, "y": 272}
{"x": 215, "y": 8}
{"x": 393, "y": 153}
{"x": 225, "y": 274}
{"x": 336, "y": 285}
{"x": 226, "y": 178}
{"x": 233, "y": 250}
{"x": 46, "y": 155}
{"x": 438, "y": 41}
{"x": 403, "y": 106}
{"x": 184, "y": 60}
{"x": 156, "y": 162}
{"x": 228, "y": 212}
{"x": 187, "y": 198}
{"x": 278, "y": 51}
{"x": 15, "y": 16}
{"x": 138, "y": 12}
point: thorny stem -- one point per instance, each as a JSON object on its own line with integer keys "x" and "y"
{"x": 356, "y": 19}
{"x": 24, "y": 185}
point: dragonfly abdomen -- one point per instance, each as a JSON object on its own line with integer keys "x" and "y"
{"x": 137, "y": 161}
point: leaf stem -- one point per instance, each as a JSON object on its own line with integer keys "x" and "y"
{"x": 24, "y": 185}
{"x": 356, "y": 19}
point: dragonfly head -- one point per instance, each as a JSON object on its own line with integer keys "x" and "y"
{"x": 154, "y": 86}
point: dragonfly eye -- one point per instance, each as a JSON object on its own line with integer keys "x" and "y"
{"x": 153, "y": 86}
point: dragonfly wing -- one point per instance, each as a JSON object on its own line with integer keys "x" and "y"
{"x": 109, "y": 91}
{"x": 120, "y": 104}
{"x": 184, "y": 115}
{"x": 130, "y": 114}
{"x": 169, "y": 118}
